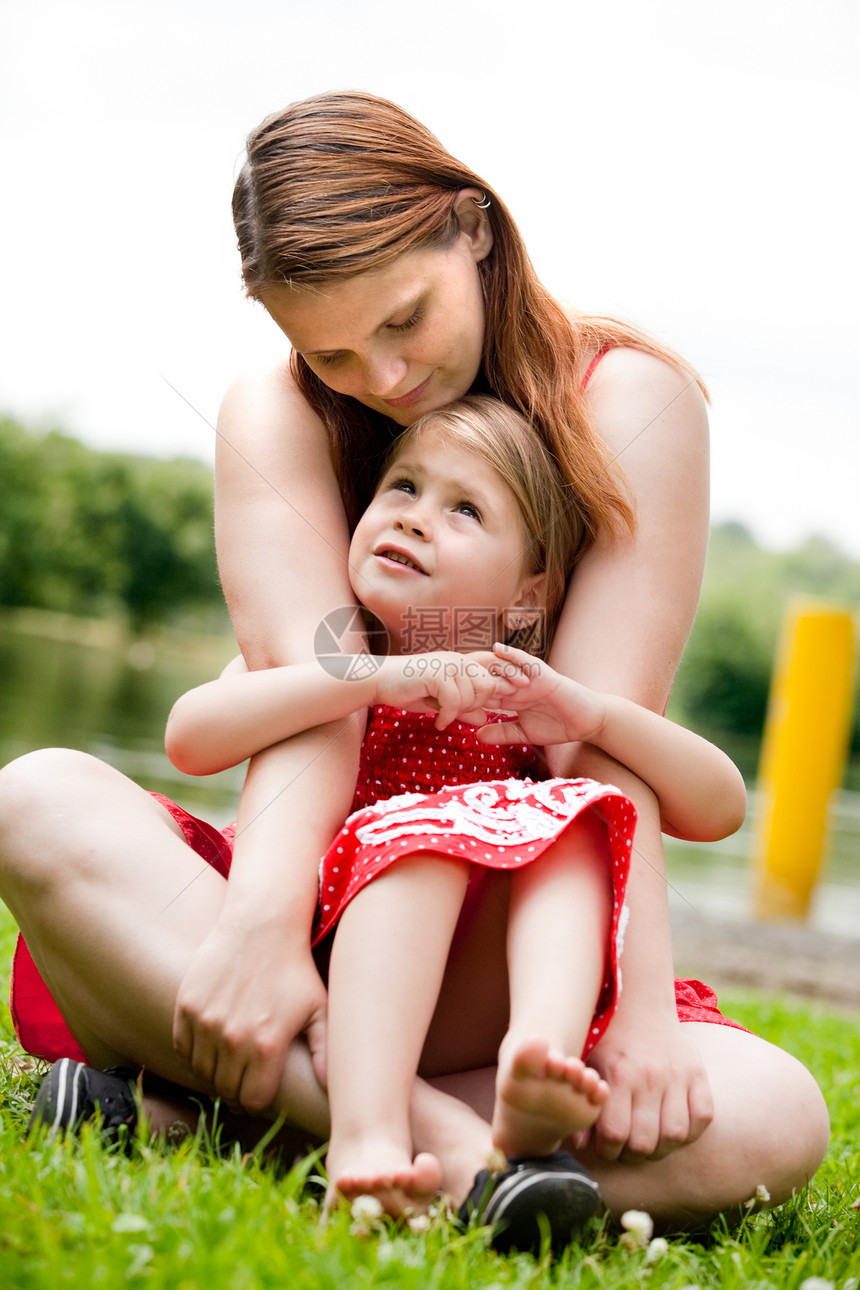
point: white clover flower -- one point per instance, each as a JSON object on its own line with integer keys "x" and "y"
{"x": 817, "y": 1283}
{"x": 366, "y": 1209}
{"x": 761, "y": 1197}
{"x": 657, "y": 1249}
{"x": 638, "y": 1227}
{"x": 386, "y": 1252}
{"x": 420, "y": 1223}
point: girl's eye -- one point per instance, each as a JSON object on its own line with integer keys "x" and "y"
{"x": 409, "y": 324}
{"x": 402, "y": 484}
{"x": 466, "y": 508}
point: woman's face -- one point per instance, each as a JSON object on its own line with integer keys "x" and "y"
{"x": 403, "y": 340}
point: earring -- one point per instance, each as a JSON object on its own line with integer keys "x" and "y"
{"x": 484, "y": 203}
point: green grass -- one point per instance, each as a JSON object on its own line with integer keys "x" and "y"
{"x": 195, "y": 1215}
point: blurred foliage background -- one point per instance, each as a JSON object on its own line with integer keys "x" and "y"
{"x": 101, "y": 534}
{"x": 723, "y": 682}
{"x": 109, "y": 535}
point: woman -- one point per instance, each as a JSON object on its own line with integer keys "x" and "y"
{"x": 401, "y": 283}
{"x": 469, "y": 509}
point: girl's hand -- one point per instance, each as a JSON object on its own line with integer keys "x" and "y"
{"x": 456, "y": 685}
{"x": 549, "y": 707}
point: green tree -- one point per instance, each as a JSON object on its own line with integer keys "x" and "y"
{"x": 91, "y": 533}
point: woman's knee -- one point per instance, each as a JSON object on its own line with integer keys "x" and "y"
{"x": 39, "y": 793}
{"x": 767, "y": 1092}
{"x": 38, "y": 778}
{"x": 805, "y": 1146}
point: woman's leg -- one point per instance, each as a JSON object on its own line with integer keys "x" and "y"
{"x": 770, "y": 1131}
{"x": 558, "y": 927}
{"x": 387, "y": 963}
{"x": 113, "y": 905}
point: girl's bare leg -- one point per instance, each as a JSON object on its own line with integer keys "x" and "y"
{"x": 387, "y": 963}
{"x": 557, "y": 943}
{"x": 757, "y": 1089}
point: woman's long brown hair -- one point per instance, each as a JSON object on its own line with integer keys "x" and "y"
{"x": 342, "y": 183}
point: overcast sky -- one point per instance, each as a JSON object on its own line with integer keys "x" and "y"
{"x": 686, "y": 164}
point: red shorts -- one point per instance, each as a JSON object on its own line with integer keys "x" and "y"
{"x": 42, "y": 1031}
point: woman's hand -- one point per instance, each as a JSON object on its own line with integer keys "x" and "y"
{"x": 243, "y": 1001}
{"x": 660, "y": 1098}
{"x": 457, "y": 685}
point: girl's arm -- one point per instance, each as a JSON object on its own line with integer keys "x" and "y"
{"x": 223, "y": 722}
{"x": 701, "y": 792}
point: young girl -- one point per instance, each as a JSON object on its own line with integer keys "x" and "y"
{"x": 470, "y": 532}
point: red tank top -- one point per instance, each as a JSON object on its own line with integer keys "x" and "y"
{"x": 601, "y": 353}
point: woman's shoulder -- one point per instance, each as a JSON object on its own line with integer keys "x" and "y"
{"x": 616, "y": 365}
{"x": 630, "y": 388}
{"x": 264, "y": 398}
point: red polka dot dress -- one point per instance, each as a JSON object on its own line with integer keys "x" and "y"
{"x": 424, "y": 790}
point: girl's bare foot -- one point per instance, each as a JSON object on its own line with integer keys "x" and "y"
{"x": 399, "y": 1184}
{"x": 541, "y": 1097}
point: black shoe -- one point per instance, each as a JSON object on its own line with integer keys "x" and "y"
{"x": 535, "y": 1195}
{"x": 72, "y": 1093}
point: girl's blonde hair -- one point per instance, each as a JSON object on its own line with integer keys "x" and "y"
{"x": 505, "y": 441}
{"x": 343, "y": 183}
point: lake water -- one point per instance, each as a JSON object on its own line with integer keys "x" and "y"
{"x": 97, "y": 693}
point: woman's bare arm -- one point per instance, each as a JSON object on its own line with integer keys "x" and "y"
{"x": 623, "y": 629}
{"x": 282, "y": 545}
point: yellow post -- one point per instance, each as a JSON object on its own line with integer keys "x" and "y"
{"x": 803, "y": 754}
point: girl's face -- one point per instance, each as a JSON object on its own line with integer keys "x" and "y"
{"x": 439, "y": 554}
{"x": 403, "y": 340}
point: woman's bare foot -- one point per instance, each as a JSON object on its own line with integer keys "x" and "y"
{"x": 399, "y": 1184}
{"x": 541, "y": 1097}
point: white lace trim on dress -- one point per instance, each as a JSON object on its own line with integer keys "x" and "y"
{"x": 496, "y": 813}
